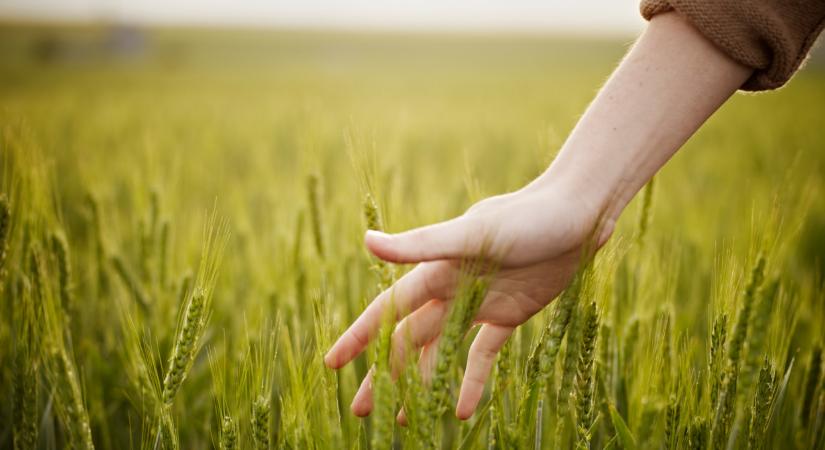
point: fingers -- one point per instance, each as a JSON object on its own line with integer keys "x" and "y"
{"x": 427, "y": 361}
{"x": 425, "y": 282}
{"x": 482, "y": 355}
{"x": 413, "y": 332}
{"x": 361, "y": 404}
{"x": 416, "y": 330}
{"x": 452, "y": 239}
{"x": 480, "y": 359}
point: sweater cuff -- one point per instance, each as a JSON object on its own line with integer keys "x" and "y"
{"x": 772, "y": 37}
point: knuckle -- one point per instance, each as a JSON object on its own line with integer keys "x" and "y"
{"x": 359, "y": 337}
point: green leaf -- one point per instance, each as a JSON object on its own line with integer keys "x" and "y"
{"x": 622, "y": 431}
{"x": 611, "y": 444}
{"x": 471, "y": 438}
{"x": 780, "y": 395}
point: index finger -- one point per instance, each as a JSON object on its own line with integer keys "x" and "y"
{"x": 426, "y": 282}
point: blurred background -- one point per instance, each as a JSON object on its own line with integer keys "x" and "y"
{"x": 463, "y": 98}
{"x": 320, "y": 31}
{"x": 122, "y": 122}
{"x": 85, "y": 30}
{"x": 543, "y": 16}
{"x": 274, "y": 90}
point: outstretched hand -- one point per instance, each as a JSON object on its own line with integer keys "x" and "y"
{"x": 640, "y": 118}
{"x": 534, "y": 235}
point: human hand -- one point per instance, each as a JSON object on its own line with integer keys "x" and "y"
{"x": 535, "y": 238}
{"x": 644, "y": 113}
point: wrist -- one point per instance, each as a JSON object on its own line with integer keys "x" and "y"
{"x": 596, "y": 192}
{"x": 643, "y": 114}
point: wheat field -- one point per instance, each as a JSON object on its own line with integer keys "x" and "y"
{"x": 181, "y": 228}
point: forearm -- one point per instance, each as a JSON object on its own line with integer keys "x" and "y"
{"x": 671, "y": 81}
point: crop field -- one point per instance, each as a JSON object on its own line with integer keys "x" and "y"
{"x": 182, "y": 215}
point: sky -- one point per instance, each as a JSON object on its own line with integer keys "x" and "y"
{"x": 577, "y": 16}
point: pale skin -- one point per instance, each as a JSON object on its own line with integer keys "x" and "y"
{"x": 669, "y": 83}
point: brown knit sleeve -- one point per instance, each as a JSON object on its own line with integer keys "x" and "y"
{"x": 771, "y": 36}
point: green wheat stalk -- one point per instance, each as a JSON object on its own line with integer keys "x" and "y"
{"x": 584, "y": 376}
{"x": 761, "y": 406}
{"x": 315, "y": 215}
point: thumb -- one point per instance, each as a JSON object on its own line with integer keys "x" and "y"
{"x": 446, "y": 240}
